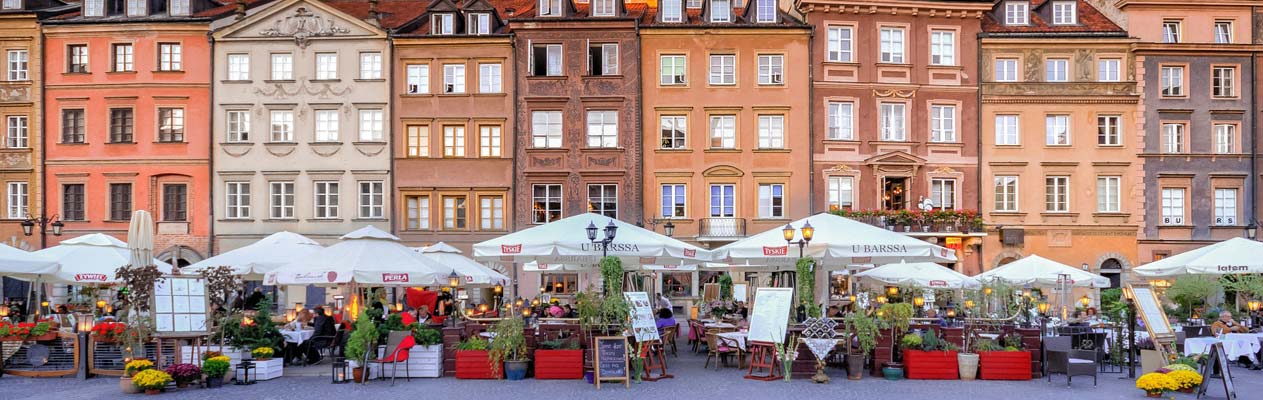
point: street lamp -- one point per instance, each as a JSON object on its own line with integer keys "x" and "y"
{"x": 453, "y": 280}
{"x": 1085, "y": 300}
{"x": 669, "y": 229}
{"x": 807, "y": 232}
{"x": 611, "y": 230}
{"x": 1251, "y": 230}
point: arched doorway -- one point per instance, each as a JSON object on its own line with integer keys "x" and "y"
{"x": 179, "y": 256}
{"x": 1113, "y": 269}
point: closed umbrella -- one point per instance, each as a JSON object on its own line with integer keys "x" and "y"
{"x": 140, "y": 238}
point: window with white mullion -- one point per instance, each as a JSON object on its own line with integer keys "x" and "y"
{"x": 1057, "y": 194}
{"x": 281, "y": 200}
{"x": 841, "y": 192}
{"x": 674, "y": 197}
{"x": 771, "y": 200}
{"x": 942, "y": 123}
{"x": 891, "y": 45}
{"x": 893, "y": 128}
{"x": 771, "y": 131}
{"x": 1107, "y": 194}
{"x": 1006, "y": 130}
{"x": 546, "y": 129}
{"x": 723, "y": 69}
{"x": 840, "y": 42}
{"x": 841, "y": 120}
{"x": 237, "y": 205}
{"x": 1225, "y": 207}
{"x": 1006, "y": 194}
{"x": 1172, "y": 206}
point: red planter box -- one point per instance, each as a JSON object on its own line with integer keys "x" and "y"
{"x": 930, "y": 364}
{"x": 475, "y": 364}
{"x": 559, "y": 364}
{"x": 1005, "y": 365}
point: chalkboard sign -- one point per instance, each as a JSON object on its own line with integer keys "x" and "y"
{"x": 611, "y": 360}
{"x": 1218, "y": 358}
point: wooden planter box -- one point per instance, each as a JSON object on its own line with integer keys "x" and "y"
{"x": 1005, "y": 365}
{"x": 423, "y": 362}
{"x": 559, "y": 364}
{"x": 475, "y": 364}
{"x": 930, "y": 364}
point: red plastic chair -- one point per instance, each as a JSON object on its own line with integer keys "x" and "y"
{"x": 396, "y": 356}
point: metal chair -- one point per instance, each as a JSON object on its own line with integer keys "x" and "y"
{"x": 1061, "y": 358}
{"x": 399, "y": 343}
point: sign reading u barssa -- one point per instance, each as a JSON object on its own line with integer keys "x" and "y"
{"x": 879, "y": 248}
{"x": 628, "y": 247}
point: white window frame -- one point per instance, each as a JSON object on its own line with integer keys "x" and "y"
{"x": 893, "y": 122}
{"x": 1006, "y": 193}
{"x": 479, "y": 23}
{"x": 281, "y": 200}
{"x": 1008, "y": 130}
{"x": 1109, "y": 70}
{"x": 1223, "y": 32}
{"x": 1172, "y": 206}
{"x": 453, "y": 141}
{"x": 546, "y": 129}
{"x": 417, "y": 79}
{"x": 771, "y": 68}
{"x": 281, "y": 126}
{"x": 328, "y": 125}
{"x": 670, "y": 194}
{"x": 727, "y": 200}
{"x": 1057, "y": 70}
{"x": 720, "y": 10}
{"x": 237, "y": 200}
{"x": 942, "y": 47}
{"x": 326, "y": 199}
{"x": 1016, "y": 13}
{"x": 603, "y": 8}
{"x": 1226, "y": 213}
{"x": 602, "y": 128}
{"x": 1109, "y": 130}
{"x": 137, "y": 8}
{"x": 550, "y": 8}
{"x": 370, "y": 65}
{"x": 723, "y": 69}
{"x": 1109, "y": 194}
{"x": 673, "y": 70}
{"x": 237, "y": 126}
{"x": 1225, "y": 138}
{"x": 548, "y": 198}
{"x": 490, "y": 78}
{"x": 723, "y": 128}
{"x": 943, "y": 193}
{"x": 19, "y": 198}
{"x": 326, "y": 66}
{"x": 840, "y": 191}
{"x": 454, "y": 78}
{"x": 1172, "y": 80}
{"x": 282, "y": 66}
{"x": 596, "y": 205}
{"x": 943, "y": 123}
{"x": 238, "y": 67}
{"x": 1223, "y": 81}
{"x": 1064, "y": 12}
{"x": 372, "y": 125}
{"x": 1006, "y": 70}
{"x": 765, "y": 11}
{"x": 19, "y": 65}
{"x": 1171, "y": 31}
{"x": 892, "y": 45}
{"x": 1057, "y": 130}
{"x": 771, "y": 131}
{"x": 178, "y": 7}
{"x": 490, "y": 141}
{"x": 840, "y": 120}
{"x": 840, "y": 44}
{"x": 672, "y": 10}
{"x": 17, "y": 132}
{"x": 94, "y": 8}
{"x": 768, "y": 209}
{"x": 1172, "y": 139}
{"x": 491, "y": 213}
{"x": 372, "y": 199}
{"x": 442, "y": 24}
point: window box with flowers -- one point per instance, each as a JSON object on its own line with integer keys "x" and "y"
{"x": 26, "y": 331}
{"x": 108, "y": 332}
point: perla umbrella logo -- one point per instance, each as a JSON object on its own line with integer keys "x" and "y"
{"x": 402, "y": 277}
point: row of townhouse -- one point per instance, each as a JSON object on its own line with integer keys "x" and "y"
{"x": 1101, "y": 134}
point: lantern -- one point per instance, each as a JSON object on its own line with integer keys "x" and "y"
{"x": 298, "y": 307}
{"x": 247, "y": 321}
{"x": 398, "y": 307}
{"x": 100, "y": 304}
{"x": 526, "y": 313}
{"x": 1085, "y": 300}
{"x": 882, "y": 299}
{"x": 1253, "y": 305}
{"x": 453, "y": 280}
{"x": 1026, "y": 292}
{"x": 498, "y": 289}
{"x": 1043, "y": 307}
{"x": 289, "y": 315}
{"x": 535, "y": 303}
{"x": 808, "y": 231}
{"x": 517, "y": 303}
{"x": 483, "y": 307}
{"x": 4, "y": 310}
{"x": 893, "y": 290}
{"x": 918, "y": 301}
{"x": 851, "y": 298}
{"x": 986, "y": 291}
{"x": 969, "y": 304}
{"x": 788, "y": 232}
{"x": 951, "y": 313}
{"x": 84, "y": 323}
{"x": 244, "y": 377}
{"x": 44, "y": 304}
{"x": 109, "y": 309}
{"x": 340, "y": 370}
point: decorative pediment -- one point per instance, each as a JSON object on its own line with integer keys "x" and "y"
{"x": 895, "y": 158}
{"x": 896, "y": 93}
{"x": 301, "y": 21}
{"x": 722, "y": 171}
{"x": 840, "y": 169}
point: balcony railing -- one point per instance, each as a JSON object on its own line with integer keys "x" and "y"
{"x": 722, "y": 228}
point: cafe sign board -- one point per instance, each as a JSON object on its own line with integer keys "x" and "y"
{"x": 644, "y": 326}
{"x": 770, "y": 317}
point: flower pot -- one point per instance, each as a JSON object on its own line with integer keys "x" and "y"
{"x": 357, "y": 374}
{"x": 1187, "y": 389}
{"x": 515, "y": 370}
{"x": 854, "y": 366}
{"x": 1005, "y": 365}
{"x": 968, "y": 365}
{"x": 125, "y": 383}
{"x": 932, "y": 364}
{"x": 475, "y": 364}
{"x": 1153, "y": 394}
{"x": 892, "y": 373}
{"x": 152, "y": 392}
{"x": 907, "y": 228}
{"x": 181, "y": 385}
{"x": 558, "y": 364}
{"x": 216, "y": 382}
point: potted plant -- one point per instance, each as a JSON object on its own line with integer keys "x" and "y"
{"x": 896, "y": 317}
{"x": 1187, "y": 379}
{"x": 559, "y": 359}
{"x": 216, "y": 370}
{"x": 925, "y": 356}
{"x": 108, "y": 332}
{"x": 1156, "y": 383}
{"x": 262, "y": 353}
{"x": 130, "y": 370}
{"x": 967, "y": 359}
{"x": 427, "y": 355}
{"x": 508, "y": 349}
{"x": 1010, "y": 362}
{"x": 184, "y": 373}
{"x": 861, "y": 332}
{"x": 473, "y": 360}
{"x": 363, "y": 338}
{"x": 152, "y": 381}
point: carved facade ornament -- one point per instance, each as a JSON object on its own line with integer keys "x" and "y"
{"x": 944, "y": 171}
{"x": 236, "y": 151}
{"x": 321, "y": 90}
{"x": 303, "y": 25}
{"x": 326, "y": 149}
{"x": 280, "y": 150}
{"x": 15, "y": 94}
{"x": 840, "y": 169}
{"x": 903, "y": 94}
{"x": 370, "y": 149}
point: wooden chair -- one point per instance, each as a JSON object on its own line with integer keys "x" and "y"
{"x": 668, "y": 335}
{"x": 718, "y": 350}
{"x": 697, "y": 334}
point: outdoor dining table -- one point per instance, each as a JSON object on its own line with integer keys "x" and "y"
{"x": 720, "y": 325}
{"x": 297, "y": 336}
{"x": 735, "y": 338}
{"x": 1235, "y": 345}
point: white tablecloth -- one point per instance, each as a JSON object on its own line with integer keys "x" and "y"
{"x": 721, "y": 325}
{"x": 297, "y": 337}
{"x": 1235, "y": 345}
{"x": 734, "y": 338}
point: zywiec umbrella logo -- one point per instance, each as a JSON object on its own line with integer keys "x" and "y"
{"x": 90, "y": 277}
{"x": 1232, "y": 268}
{"x": 776, "y": 251}
{"x": 401, "y": 277}
{"x": 690, "y": 253}
{"x": 942, "y": 253}
{"x": 649, "y": 260}
{"x": 511, "y": 248}
{"x": 332, "y": 276}
{"x": 938, "y": 283}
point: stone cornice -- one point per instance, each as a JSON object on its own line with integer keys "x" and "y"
{"x": 944, "y": 9}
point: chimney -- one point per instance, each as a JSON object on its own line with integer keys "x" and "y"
{"x": 510, "y": 11}
{"x": 240, "y": 9}
{"x": 373, "y": 16}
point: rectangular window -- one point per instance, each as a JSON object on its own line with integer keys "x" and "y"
{"x": 673, "y": 70}
{"x": 237, "y": 200}
{"x": 72, "y": 202}
{"x": 1172, "y": 206}
{"x": 1057, "y": 130}
{"x": 723, "y": 131}
{"x": 1006, "y": 130}
{"x": 453, "y": 141}
{"x": 771, "y": 131}
{"x": 170, "y": 57}
{"x": 840, "y": 42}
{"x": 282, "y": 67}
{"x": 441, "y": 24}
{"x": 771, "y": 69}
{"x": 489, "y": 78}
{"x": 891, "y": 45}
{"x": 19, "y": 65}
{"x": 1172, "y": 81}
{"x": 1225, "y": 138}
{"x": 546, "y": 58}
{"x": 1057, "y": 194}
{"x": 723, "y": 201}
{"x": 326, "y": 199}
{"x": 1056, "y": 70}
{"x": 121, "y": 125}
{"x": 282, "y": 128}
{"x": 1006, "y": 193}
{"x": 175, "y": 202}
{"x": 137, "y": 8}
{"x": 1173, "y": 138}
{"x": 418, "y": 140}
{"x": 373, "y": 199}
{"x": 1005, "y": 70}
{"x": 72, "y": 126}
{"x": 1223, "y": 32}
{"x": 12, "y": 4}
{"x": 1107, "y": 130}
{"x": 124, "y": 58}
{"x": 765, "y": 11}
{"x": 327, "y": 125}
{"x": 942, "y": 48}
{"x": 17, "y": 200}
{"x": 1064, "y": 13}
{"x": 418, "y": 210}
{"x": 479, "y": 24}
{"x": 559, "y": 283}
{"x": 418, "y": 79}
{"x": 547, "y": 199}
{"x": 603, "y": 200}
{"x": 603, "y": 129}
{"x": 771, "y": 201}
{"x": 489, "y": 141}
{"x": 603, "y": 59}
{"x": 1108, "y": 199}
{"x": 371, "y": 126}
{"x": 281, "y": 200}
{"x": 1225, "y": 207}
{"x": 77, "y": 62}
{"x": 723, "y": 69}
{"x": 238, "y": 126}
{"x": 943, "y": 193}
{"x": 841, "y": 192}
{"x": 179, "y": 7}
{"x": 1016, "y": 12}
{"x": 673, "y": 201}
{"x": 674, "y": 131}
{"x": 17, "y": 135}
{"x": 453, "y": 78}
{"x": 326, "y": 66}
{"x": 942, "y": 123}
{"x": 550, "y": 8}
{"x": 546, "y": 129}
{"x": 238, "y": 67}
{"x": 170, "y": 125}
{"x": 892, "y": 122}
{"x": 1109, "y": 70}
{"x": 491, "y": 213}
{"x": 1223, "y": 81}
{"x": 120, "y": 202}
{"x": 1170, "y": 31}
{"x": 841, "y": 120}
{"x": 455, "y": 212}
{"x": 94, "y": 8}
{"x": 371, "y": 65}
{"x": 671, "y": 11}
{"x": 720, "y": 10}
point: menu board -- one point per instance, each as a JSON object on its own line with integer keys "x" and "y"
{"x": 1149, "y": 309}
{"x": 179, "y": 305}
{"x": 770, "y": 317}
{"x": 644, "y": 326}
{"x": 740, "y": 291}
{"x": 611, "y": 360}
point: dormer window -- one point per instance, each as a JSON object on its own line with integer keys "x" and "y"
{"x": 720, "y": 11}
{"x": 94, "y": 8}
{"x": 179, "y": 7}
{"x": 441, "y": 24}
{"x": 671, "y": 11}
{"x": 13, "y": 4}
{"x": 550, "y": 8}
{"x": 1064, "y": 13}
{"x": 766, "y": 11}
{"x": 1016, "y": 13}
{"x": 479, "y": 24}
{"x": 693, "y": 4}
{"x": 603, "y": 8}
{"x": 137, "y": 8}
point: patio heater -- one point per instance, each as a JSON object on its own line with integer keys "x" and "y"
{"x": 611, "y": 230}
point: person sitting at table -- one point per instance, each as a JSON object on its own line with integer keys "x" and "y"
{"x": 322, "y": 337}
{"x": 932, "y": 314}
{"x": 1091, "y": 317}
{"x": 665, "y": 319}
{"x": 1225, "y": 324}
{"x": 833, "y": 312}
{"x": 423, "y": 314}
{"x": 742, "y": 310}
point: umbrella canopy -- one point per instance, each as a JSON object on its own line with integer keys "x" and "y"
{"x": 21, "y": 262}
{"x": 1038, "y": 271}
{"x": 367, "y": 256}
{"x": 472, "y": 273}
{"x": 256, "y": 259}
{"x": 537, "y": 267}
{"x": 921, "y": 275}
{"x": 90, "y": 259}
{"x": 1232, "y": 256}
{"x": 566, "y": 241}
{"x": 838, "y": 241}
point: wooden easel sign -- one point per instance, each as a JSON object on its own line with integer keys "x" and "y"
{"x": 611, "y": 360}
{"x": 1217, "y": 357}
{"x": 1149, "y": 308}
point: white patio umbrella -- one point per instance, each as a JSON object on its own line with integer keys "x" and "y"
{"x": 368, "y": 256}
{"x": 472, "y": 273}
{"x": 566, "y": 241}
{"x": 1232, "y": 256}
{"x": 256, "y": 259}
{"x": 89, "y": 259}
{"x": 15, "y": 261}
{"x": 537, "y": 267}
{"x": 920, "y": 275}
{"x": 837, "y": 243}
{"x": 1041, "y": 272}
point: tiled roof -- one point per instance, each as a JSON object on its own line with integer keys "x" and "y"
{"x": 226, "y": 7}
{"x": 1090, "y": 21}
{"x": 525, "y": 9}
{"x": 694, "y": 18}
{"x": 393, "y": 13}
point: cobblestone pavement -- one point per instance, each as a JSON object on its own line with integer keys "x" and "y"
{"x": 691, "y": 382}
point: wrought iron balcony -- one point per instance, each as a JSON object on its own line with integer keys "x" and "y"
{"x": 720, "y": 229}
